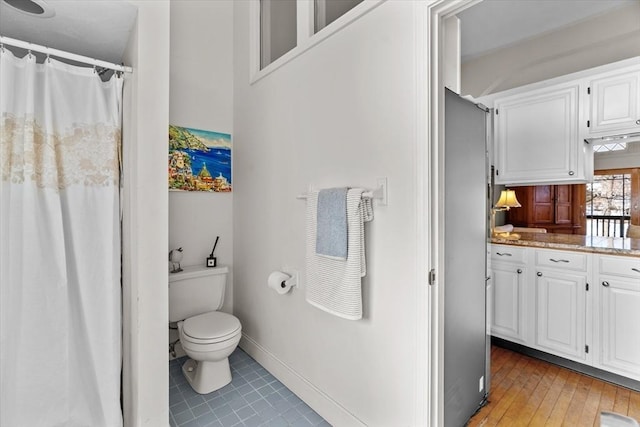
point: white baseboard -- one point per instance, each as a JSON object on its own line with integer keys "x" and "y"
{"x": 334, "y": 413}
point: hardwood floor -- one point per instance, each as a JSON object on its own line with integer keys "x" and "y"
{"x": 530, "y": 392}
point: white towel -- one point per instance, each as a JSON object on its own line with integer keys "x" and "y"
{"x": 333, "y": 285}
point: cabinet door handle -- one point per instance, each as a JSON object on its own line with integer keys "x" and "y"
{"x": 635, "y": 269}
{"x": 571, "y": 173}
{"x": 539, "y": 274}
{"x": 558, "y": 260}
{"x": 503, "y": 254}
{"x": 605, "y": 284}
{"x": 638, "y": 122}
{"x": 519, "y": 271}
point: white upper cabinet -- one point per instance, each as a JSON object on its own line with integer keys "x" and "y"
{"x": 537, "y": 137}
{"x": 614, "y": 103}
{"x": 540, "y": 129}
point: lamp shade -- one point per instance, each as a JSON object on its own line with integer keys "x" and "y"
{"x": 508, "y": 200}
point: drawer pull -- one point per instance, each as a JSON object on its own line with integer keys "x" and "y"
{"x": 605, "y": 284}
{"x": 503, "y": 254}
{"x": 635, "y": 269}
{"x": 539, "y": 274}
{"x": 519, "y": 271}
{"x": 558, "y": 260}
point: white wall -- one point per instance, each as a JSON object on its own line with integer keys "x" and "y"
{"x": 201, "y": 97}
{"x": 341, "y": 114}
{"x": 604, "y": 39}
{"x": 145, "y": 224}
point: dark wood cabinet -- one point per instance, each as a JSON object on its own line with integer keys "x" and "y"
{"x": 557, "y": 208}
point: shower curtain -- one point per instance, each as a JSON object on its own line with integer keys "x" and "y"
{"x": 60, "y": 309}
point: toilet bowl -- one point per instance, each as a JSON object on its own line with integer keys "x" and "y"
{"x": 207, "y": 336}
{"x": 209, "y": 339}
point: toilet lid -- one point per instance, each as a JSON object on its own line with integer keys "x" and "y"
{"x": 213, "y": 326}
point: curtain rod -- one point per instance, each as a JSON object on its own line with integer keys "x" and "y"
{"x": 62, "y": 54}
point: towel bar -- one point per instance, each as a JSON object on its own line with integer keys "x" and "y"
{"x": 365, "y": 195}
{"x": 378, "y": 193}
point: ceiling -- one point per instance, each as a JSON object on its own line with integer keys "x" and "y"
{"x": 494, "y": 24}
{"x": 101, "y": 28}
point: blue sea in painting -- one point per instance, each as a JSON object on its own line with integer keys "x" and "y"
{"x": 217, "y": 159}
{"x": 191, "y": 150}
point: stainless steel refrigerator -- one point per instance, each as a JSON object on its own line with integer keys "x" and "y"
{"x": 466, "y": 194}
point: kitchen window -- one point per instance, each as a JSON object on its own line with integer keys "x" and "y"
{"x": 609, "y": 204}
{"x": 605, "y": 148}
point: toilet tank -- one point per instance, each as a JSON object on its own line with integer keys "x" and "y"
{"x": 196, "y": 290}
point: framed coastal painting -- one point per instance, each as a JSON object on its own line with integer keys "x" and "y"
{"x": 199, "y": 160}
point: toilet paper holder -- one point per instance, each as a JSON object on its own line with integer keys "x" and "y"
{"x": 283, "y": 281}
{"x": 292, "y": 281}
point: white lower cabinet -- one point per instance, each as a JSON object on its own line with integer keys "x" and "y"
{"x": 618, "y": 331}
{"x": 509, "y": 314}
{"x": 580, "y": 306}
{"x": 560, "y": 314}
{"x": 509, "y": 274}
{"x": 561, "y": 303}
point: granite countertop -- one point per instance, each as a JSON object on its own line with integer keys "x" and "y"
{"x": 574, "y": 242}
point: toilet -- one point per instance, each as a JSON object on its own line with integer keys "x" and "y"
{"x": 208, "y": 336}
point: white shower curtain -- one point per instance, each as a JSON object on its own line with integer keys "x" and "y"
{"x": 60, "y": 314}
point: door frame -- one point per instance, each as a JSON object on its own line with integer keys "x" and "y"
{"x": 436, "y": 14}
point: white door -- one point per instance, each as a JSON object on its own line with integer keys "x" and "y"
{"x": 620, "y": 330}
{"x": 560, "y": 314}
{"x": 509, "y": 311}
{"x": 464, "y": 283}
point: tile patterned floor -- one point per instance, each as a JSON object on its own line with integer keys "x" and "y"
{"x": 254, "y": 398}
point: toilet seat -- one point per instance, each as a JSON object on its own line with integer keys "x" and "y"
{"x": 210, "y": 328}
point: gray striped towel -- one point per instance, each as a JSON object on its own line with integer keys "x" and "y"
{"x": 334, "y": 285}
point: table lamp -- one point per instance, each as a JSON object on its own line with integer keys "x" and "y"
{"x": 506, "y": 201}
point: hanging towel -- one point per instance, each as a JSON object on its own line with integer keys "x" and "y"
{"x": 331, "y": 229}
{"x": 334, "y": 285}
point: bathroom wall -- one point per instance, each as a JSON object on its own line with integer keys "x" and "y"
{"x": 201, "y": 97}
{"x": 145, "y": 381}
{"x": 342, "y": 113}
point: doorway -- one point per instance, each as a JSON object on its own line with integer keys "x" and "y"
{"x": 526, "y": 69}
